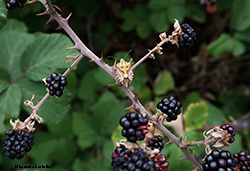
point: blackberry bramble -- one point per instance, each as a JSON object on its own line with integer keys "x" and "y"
{"x": 17, "y": 143}
{"x": 188, "y": 37}
{"x": 230, "y": 132}
{"x": 155, "y": 142}
{"x": 11, "y": 4}
{"x": 219, "y": 161}
{"x": 134, "y": 126}
{"x": 135, "y": 159}
{"x": 243, "y": 160}
{"x": 170, "y": 107}
{"x": 55, "y": 84}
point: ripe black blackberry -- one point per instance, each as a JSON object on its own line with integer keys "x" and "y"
{"x": 171, "y": 107}
{"x": 243, "y": 160}
{"x": 55, "y": 84}
{"x": 230, "y": 130}
{"x": 188, "y": 37}
{"x": 160, "y": 162}
{"x": 11, "y": 4}
{"x": 219, "y": 161}
{"x": 134, "y": 126}
{"x": 155, "y": 143}
{"x": 135, "y": 159}
{"x": 17, "y": 143}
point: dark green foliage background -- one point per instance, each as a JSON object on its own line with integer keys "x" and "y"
{"x": 81, "y": 127}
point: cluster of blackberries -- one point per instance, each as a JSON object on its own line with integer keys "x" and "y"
{"x": 17, "y": 143}
{"x": 230, "y": 130}
{"x": 11, "y": 4}
{"x": 155, "y": 143}
{"x": 209, "y": 6}
{"x": 188, "y": 37}
{"x": 243, "y": 160}
{"x": 134, "y": 126}
{"x": 219, "y": 161}
{"x": 160, "y": 162}
{"x": 171, "y": 107}
{"x": 55, "y": 84}
{"x": 128, "y": 160}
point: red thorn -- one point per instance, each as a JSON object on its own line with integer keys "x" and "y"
{"x": 131, "y": 107}
{"x": 91, "y": 61}
{"x": 71, "y": 47}
{"x": 30, "y": 2}
{"x": 57, "y": 8}
{"x": 58, "y": 28}
{"x": 50, "y": 19}
{"x": 116, "y": 84}
{"x": 102, "y": 56}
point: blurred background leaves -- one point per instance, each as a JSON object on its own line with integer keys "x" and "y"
{"x": 211, "y": 79}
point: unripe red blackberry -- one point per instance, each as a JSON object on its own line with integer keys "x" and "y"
{"x": 156, "y": 142}
{"x": 128, "y": 160}
{"x": 17, "y": 143}
{"x": 55, "y": 84}
{"x": 243, "y": 160}
{"x": 171, "y": 107}
{"x": 219, "y": 161}
{"x": 134, "y": 126}
{"x": 160, "y": 162}
{"x": 189, "y": 36}
{"x": 230, "y": 130}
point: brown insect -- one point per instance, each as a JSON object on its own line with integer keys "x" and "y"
{"x": 123, "y": 72}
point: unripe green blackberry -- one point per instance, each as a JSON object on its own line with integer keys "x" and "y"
{"x": 17, "y": 143}
{"x": 171, "y": 107}
{"x": 55, "y": 84}
{"x": 134, "y": 126}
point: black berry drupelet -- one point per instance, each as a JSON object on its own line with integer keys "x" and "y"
{"x": 55, "y": 84}
{"x": 219, "y": 161}
{"x": 17, "y": 143}
{"x": 128, "y": 160}
{"x": 243, "y": 160}
{"x": 134, "y": 126}
{"x": 171, "y": 107}
{"x": 160, "y": 162}
{"x": 155, "y": 143}
{"x": 188, "y": 37}
{"x": 230, "y": 130}
{"x": 11, "y": 4}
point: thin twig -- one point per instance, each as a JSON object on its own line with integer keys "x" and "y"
{"x": 63, "y": 23}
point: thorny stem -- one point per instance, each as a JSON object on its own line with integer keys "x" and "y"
{"x": 63, "y": 23}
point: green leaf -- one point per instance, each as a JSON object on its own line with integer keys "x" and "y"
{"x": 97, "y": 164}
{"x": 86, "y": 8}
{"x": 157, "y": 4}
{"x": 225, "y": 44}
{"x": 243, "y": 35}
{"x": 46, "y": 53}
{"x": 15, "y": 25}
{"x": 139, "y": 79}
{"x": 3, "y": 14}
{"x": 130, "y": 20}
{"x": 193, "y": 97}
{"x": 196, "y": 115}
{"x": 13, "y": 45}
{"x": 158, "y": 21}
{"x": 236, "y": 147}
{"x": 117, "y": 135}
{"x": 143, "y": 29}
{"x": 145, "y": 94}
{"x": 83, "y": 128}
{"x": 4, "y": 80}
{"x": 102, "y": 77}
{"x": 241, "y": 16}
{"x": 65, "y": 151}
{"x": 163, "y": 83}
{"x": 89, "y": 85}
{"x": 107, "y": 114}
{"x": 175, "y": 154}
{"x": 52, "y": 110}
{"x": 215, "y": 115}
{"x": 78, "y": 165}
{"x": 176, "y": 12}
{"x": 11, "y": 100}
{"x": 107, "y": 149}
